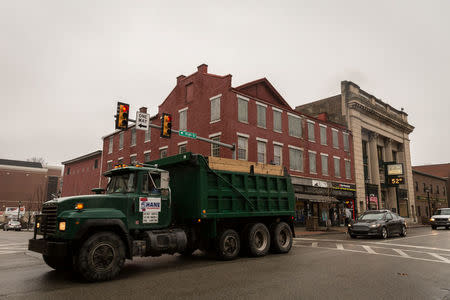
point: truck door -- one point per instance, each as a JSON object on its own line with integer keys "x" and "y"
{"x": 153, "y": 203}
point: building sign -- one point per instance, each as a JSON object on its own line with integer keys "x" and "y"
{"x": 394, "y": 169}
{"x": 343, "y": 186}
{"x": 319, "y": 183}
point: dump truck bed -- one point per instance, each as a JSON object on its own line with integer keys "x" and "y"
{"x": 199, "y": 192}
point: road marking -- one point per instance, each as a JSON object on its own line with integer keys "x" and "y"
{"x": 440, "y": 257}
{"x": 368, "y": 249}
{"x": 340, "y": 246}
{"x": 314, "y": 244}
{"x": 401, "y": 252}
{"x": 17, "y": 244}
{"x": 415, "y": 236}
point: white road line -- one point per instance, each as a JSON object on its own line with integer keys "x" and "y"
{"x": 401, "y": 252}
{"x": 340, "y": 246}
{"x": 416, "y": 236}
{"x": 17, "y": 244}
{"x": 314, "y": 244}
{"x": 440, "y": 257}
{"x": 391, "y": 255}
{"x": 368, "y": 249}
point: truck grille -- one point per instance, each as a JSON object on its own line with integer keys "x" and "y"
{"x": 50, "y": 211}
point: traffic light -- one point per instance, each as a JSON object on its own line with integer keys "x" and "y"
{"x": 166, "y": 125}
{"x": 122, "y": 115}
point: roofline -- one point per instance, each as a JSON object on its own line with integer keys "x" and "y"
{"x": 86, "y": 156}
{"x": 429, "y": 175}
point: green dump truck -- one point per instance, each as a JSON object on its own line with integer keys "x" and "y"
{"x": 173, "y": 205}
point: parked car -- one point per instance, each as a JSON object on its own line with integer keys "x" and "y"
{"x": 13, "y": 225}
{"x": 441, "y": 218}
{"x": 381, "y": 223}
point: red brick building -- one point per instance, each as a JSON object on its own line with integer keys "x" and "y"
{"x": 82, "y": 174}
{"x": 263, "y": 126}
{"x": 439, "y": 170}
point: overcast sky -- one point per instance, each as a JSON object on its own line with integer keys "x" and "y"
{"x": 65, "y": 64}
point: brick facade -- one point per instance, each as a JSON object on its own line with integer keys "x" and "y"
{"x": 439, "y": 170}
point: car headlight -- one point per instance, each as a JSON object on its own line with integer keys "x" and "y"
{"x": 375, "y": 225}
{"x": 432, "y": 220}
{"x": 349, "y": 225}
{"x": 62, "y": 226}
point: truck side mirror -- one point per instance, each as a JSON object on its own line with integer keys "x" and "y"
{"x": 164, "y": 180}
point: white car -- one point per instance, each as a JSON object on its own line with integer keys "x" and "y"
{"x": 13, "y": 225}
{"x": 441, "y": 218}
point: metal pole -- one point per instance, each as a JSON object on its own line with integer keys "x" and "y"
{"x": 429, "y": 204}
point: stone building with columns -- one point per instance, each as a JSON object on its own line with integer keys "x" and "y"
{"x": 380, "y": 136}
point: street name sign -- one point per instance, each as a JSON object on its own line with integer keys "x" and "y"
{"x": 142, "y": 120}
{"x": 188, "y": 134}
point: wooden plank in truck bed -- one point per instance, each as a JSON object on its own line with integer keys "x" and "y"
{"x": 233, "y": 165}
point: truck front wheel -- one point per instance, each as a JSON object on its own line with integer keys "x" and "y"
{"x": 59, "y": 263}
{"x": 281, "y": 238}
{"x": 229, "y": 245}
{"x": 258, "y": 239}
{"x": 101, "y": 257}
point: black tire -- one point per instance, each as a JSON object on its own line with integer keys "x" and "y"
{"x": 384, "y": 233}
{"x": 228, "y": 245}
{"x": 353, "y": 236}
{"x": 59, "y": 263}
{"x": 258, "y": 240}
{"x": 101, "y": 257}
{"x": 281, "y": 238}
{"x": 433, "y": 226}
{"x": 403, "y": 231}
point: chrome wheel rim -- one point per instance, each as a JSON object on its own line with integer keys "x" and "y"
{"x": 384, "y": 233}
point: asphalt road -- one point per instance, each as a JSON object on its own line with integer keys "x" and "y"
{"x": 320, "y": 267}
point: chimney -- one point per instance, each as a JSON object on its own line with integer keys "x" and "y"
{"x": 143, "y": 109}
{"x": 180, "y": 78}
{"x": 203, "y": 68}
{"x": 323, "y": 116}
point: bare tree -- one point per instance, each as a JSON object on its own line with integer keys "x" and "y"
{"x": 38, "y": 159}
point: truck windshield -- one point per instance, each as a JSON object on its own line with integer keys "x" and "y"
{"x": 443, "y": 211}
{"x": 122, "y": 183}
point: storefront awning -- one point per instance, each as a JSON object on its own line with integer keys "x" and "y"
{"x": 316, "y": 198}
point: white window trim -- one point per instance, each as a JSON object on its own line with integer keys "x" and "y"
{"x": 243, "y": 135}
{"x": 163, "y": 147}
{"x": 309, "y": 121}
{"x": 324, "y": 154}
{"x": 145, "y": 135}
{"x": 148, "y": 151}
{"x": 109, "y": 161}
{"x": 215, "y": 97}
{"x": 183, "y": 109}
{"x": 296, "y": 148}
{"x": 278, "y": 143}
{"x": 295, "y": 116}
{"x": 332, "y": 139}
{"x": 182, "y": 143}
{"x": 215, "y": 134}
{"x": 134, "y": 154}
{"x": 120, "y": 158}
{"x": 328, "y": 169}
{"x": 215, "y": 121}
{"x": 123, "y": 139}
{"x": 324, "y": 126}
{"x": 261, "y": 104}
{"x": 315, "y": 153}
{"x": 262, "y": 140}
{"x": 277, "y": 109}
{"x": 243, "y": 98}
{"x": 314, "y": 131}
{"x": 339, "y": 166}
{"x": 310, "y": 151}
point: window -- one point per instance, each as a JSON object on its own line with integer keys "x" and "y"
{"x": 348, "y": 174}
{"x": 121, "y": 140}
{"x": 183, "y": 119}
{"x": 324, "y": 159}
{"x": 277, "y": 154}
{"x": 323, "y": 135}
{"x": 380, "y": 156}
{"x": 417, "y": 186}
{"x": 242, "y": 109}
{"x": 431, "y": 189}
{"x": 242, "y": 148}
{"x": 110, "y": 146}
{"x": 276, "y": 120}
{"x": 437, "y": 189}
{"x": 311, "y": 135}
{"x": 215, "y": 108}
{"x": 182, "y": 148}
{"x": 295, "y": 159}
{"x": 133, "y": 136}
{"x": 148, "y": 135}
{"x": 335, "y": 138}
{"x": 424, "y": 187}
{"x": 312, "y": 162}
{"x": 394, "y": 156}
{"x": 295, "y": 125}
{"x": 109, "y": 165}
{"x": 147, "y": 156}
{"x": 133, "y": 159}
{"x": 261, "y": 152}
{"x": 96, "y": 164}
{"x": 337, "y": 166}
{"x": 120, "y": 160}
{"x": 68, "y": 171}
{"x": 162, "y": 153}
{"x": 346, "y": 142}
{"x": 215, "y": 149}
{"x": 261, "y": 114}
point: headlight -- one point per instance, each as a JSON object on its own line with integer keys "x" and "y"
{"x": 432, "y": 220}
{"x": 349, "y": 225}
{"x": 38, "y": 225}
{"x": 375, "y": 225}
{"x": 62, "y": 226}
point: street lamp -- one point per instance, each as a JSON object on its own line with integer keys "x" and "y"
{"x": 428, "y": 198}
{"x": 18, "y": 212}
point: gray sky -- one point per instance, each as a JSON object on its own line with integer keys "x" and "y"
{"x": 73, "y": 60}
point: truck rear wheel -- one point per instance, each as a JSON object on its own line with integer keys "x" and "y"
{"x": 258, "y": 239}
{"x": 59, "y": 263}
{"x": 281, "y": 238}
{"x": 101, "y": 257}
{"x": 229, "y": 245}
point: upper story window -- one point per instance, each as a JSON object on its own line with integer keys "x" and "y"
{"x": 348, "y": 174}
{"x": 68, "y": 171}
{"x": 146, "y": 156}
{"x": 295, "y": 159}
{"x": 277, "y": 154}
{"x": 276, "y": 119}
{"x": 215, "y": 149}
{"x": 335, "y": 138}
{"x": 424, "y": 187}
{"x": 346, "y": 141}
{"x": 295, "y": 125}
{"x": 323, "y": 134}
{"x": 133, "y": 159}
{"x": 394, "y": 156}
{"x": 312, "y": 162}
{"x": 96, "y": 164}
{"x": 109, "y": 165}
{"x": 182, "y": 148}
{"x": 110, "y": 146}
{"x": 437, "y": 189}
{"x": 242, "y": 147}
{"x": 148, "y": 135}
{"x": 215, "y": 108}
{"x": 242, "y": 109}
{"x": 417, "y": 186}
{"x": 133, "y": 136}
{"x": 261, "y": 114}
{"x": 163, "y": 152}
{"x": 311, "y": 134}
{"x": 324, "y": 160}
{"x": 261, "y": 152}
{"x": 183, "y": 119}
{"x": 337, "y": 166}
{"x": 121, "y": 140}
